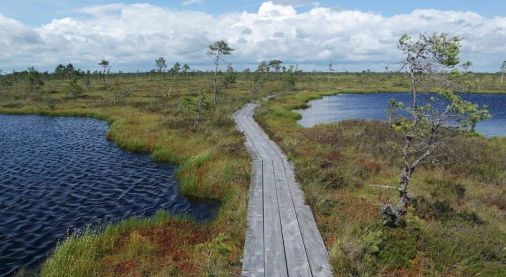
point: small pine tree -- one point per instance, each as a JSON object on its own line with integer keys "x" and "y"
{"x": 49, "y": 101}
{"x": 428, "y": 124}
{"x": 34, "y": 79}
{"x": 289, "y": 80}
{"x": 196, "y": 106}
{"x": 217, "y": 50}
{"x": 230, "y": 76}
{"x": 74, "y": 90}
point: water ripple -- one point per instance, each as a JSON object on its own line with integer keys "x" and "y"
{"x": 59, "y": 174}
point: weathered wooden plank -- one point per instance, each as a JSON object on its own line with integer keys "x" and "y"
{"x": 288, "y": 244}
{"x": 258, "y": 224}
{"x": 261, "y": 144}
{"x": 297, "y": 194}
{"x": 314, "y": 244}
{"x": 253, "y": 259}
{"x": 275, "y": 262}
{"x": 253, "y": 139}
{"x": 315, "y": 247}
{"x": 296, "y": 258}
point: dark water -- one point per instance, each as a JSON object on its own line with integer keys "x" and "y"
{"x": 373, "y": 106}
{"x": 58, "y": 175}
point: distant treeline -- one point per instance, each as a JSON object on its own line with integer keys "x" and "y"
{"x": 272, "y": 71}
{"x": 69, "y": 71}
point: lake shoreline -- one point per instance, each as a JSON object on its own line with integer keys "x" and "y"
{"x": 335, "y": 163}
{"x": 189, "y": 172}
{"x": 373, "y": 106}
{"x": 85, "y": 133}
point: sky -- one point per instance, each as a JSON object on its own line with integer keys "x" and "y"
{"x": 352, "y": 35}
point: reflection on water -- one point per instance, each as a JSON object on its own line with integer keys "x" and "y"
{"x": 373, "y": 106}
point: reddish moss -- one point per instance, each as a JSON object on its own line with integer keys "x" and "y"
{"x": 173, "y": 242}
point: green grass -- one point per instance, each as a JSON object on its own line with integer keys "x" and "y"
{"x": 456, "y": 227}
{"x": 387, "y": 82}
{"x": 134, "y": 246}
{"x": 213, "y": 164}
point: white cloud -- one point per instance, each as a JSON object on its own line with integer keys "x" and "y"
{"x": 192, "y": 2}
{"x": 134, "y": 35}
{"x": 296, "y": 3}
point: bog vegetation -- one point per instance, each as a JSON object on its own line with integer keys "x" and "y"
{"x": 452, "y": 222}
{"x": 456, "y": 224}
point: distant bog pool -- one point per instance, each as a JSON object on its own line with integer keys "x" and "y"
{"x": 60, "y": 174}
{"x": 373, "y": 106}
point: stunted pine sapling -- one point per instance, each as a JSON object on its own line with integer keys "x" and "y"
{"x": 59, "y": 72}
{"x": 186, "y": 69}
{"x": 275, "y": 65}
{"x": 161, "y": 65}
{"x": 289, "y": 80}
{"x": 259, "y": 78}
{"x": 466, "y": 65}
{"x": 217, "y": 50}
{"x": 427, "y": 125}
{"x": 36, "y": 83}
{"x": 230, "y": 76}
{"x": 87, "y": 79}
{"x": 34, "y": 79}
{"x": 196, "y": 106}
{"x": 5, "y": 80}
{"x": 105, "y": 68}
{"x": 74, "y": 90}
{"x": 174, "y": 71}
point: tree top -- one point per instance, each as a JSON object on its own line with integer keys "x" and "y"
{"x": 220, "y": 47}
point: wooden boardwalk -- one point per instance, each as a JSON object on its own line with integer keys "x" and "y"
{"x": 282, "y": 238}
